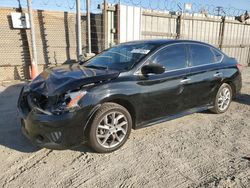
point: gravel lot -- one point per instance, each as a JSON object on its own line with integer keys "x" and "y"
{"x": 199, "y": 150}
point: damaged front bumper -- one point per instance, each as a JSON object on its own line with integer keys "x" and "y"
{"x": 51, "y": 131}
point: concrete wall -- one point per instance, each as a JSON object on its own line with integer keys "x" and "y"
{"x": 130, "y": 23}
{"x": 235, "y": 41}
{"x": 158, "y": 25}
{"x": 206, "y": 28}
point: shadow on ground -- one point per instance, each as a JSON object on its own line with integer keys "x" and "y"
{"x": 83, "y": 148}
{"x": 10, "y": 130}
{"x": 243, "y": 99}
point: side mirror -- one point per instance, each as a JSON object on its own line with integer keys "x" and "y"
{"x": 153, "y": 68}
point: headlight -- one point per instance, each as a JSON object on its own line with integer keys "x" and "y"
{"x": 70, "y": 102}
{"x": 74, "y": 98}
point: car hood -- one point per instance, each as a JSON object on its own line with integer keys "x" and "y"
{"x": 58, "y": 80}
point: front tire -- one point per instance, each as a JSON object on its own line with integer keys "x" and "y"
{"x": 110, "y": 128}
{"x": 223, "y": 99}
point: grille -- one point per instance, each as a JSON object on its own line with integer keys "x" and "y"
{"x": 55, "y": 136}
{"x": 39, "y": 100}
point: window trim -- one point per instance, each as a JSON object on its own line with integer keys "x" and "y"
{"x": 210, "y": 48}
{"x": 222, "y": 55}
{"x": 138, "y": 70}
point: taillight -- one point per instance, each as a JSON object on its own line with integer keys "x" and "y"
{"x": 240, "y": 67}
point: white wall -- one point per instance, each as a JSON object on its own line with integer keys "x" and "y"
{"x": 130, "y": 23}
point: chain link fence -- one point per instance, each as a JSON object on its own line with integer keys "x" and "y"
{"x": 112, "y": 23}
{"x": 56, "y": 38}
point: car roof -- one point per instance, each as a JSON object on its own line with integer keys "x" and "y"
{"x": 166, "y": 42}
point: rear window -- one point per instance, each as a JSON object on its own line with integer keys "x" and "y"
{"x": 202, "y": 55}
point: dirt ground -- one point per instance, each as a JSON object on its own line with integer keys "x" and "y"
{"x": 199, "y": 150}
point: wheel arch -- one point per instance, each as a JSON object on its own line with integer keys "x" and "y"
{"x": 231, "y": 84}
{"x": 126, "y": 104}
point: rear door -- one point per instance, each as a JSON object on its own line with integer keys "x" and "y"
{"x": 204, "y": 74}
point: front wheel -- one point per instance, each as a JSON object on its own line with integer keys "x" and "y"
{"x": 110, "y": 128}
{"x": 223, "y": 99}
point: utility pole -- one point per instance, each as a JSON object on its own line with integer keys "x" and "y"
{"x": 219, "y": 9}
{"x": 34, "y": 69}
{"x": 79, "y": 32}
{"x": 89, "y": 26}
{"x": 105, "y": 24}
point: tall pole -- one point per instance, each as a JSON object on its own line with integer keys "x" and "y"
{"x": 219, "y": 10}
{"x": 89, "y": 26}
{"x": 34, "y": 69}
{"x": 79, "y": 33}
{"x": 105, "y": 24}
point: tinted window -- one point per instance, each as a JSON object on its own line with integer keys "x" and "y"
{"x": 217, "y": 55}
{"x": 172, "y": 57}
{"x": 201, "y": 55}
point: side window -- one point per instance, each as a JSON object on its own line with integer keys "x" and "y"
{"x": 201, "y": 55}
{"x": 217, "y": 55}
{"x": 172, "y": 57}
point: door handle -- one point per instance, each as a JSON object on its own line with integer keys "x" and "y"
{"x": 185, "y": 80}
{"x": 218, "y": 74}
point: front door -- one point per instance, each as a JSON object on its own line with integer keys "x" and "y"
{"x": 163, "y": 94}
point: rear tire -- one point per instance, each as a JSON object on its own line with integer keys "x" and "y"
{"x": 110, "y": 128}
{"x": 223, "y": 99}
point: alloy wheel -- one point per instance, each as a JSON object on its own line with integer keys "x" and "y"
{"x": 224, "y": 99}
{"x": 112, "y": 129}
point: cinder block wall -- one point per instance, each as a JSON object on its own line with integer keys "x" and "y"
{"x": 55, "y": 38}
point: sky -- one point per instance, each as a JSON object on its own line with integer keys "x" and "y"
{"x": 69, "y": 5}
{"x": 239, "y": 4}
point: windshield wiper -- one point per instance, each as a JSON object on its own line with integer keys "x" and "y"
{"x": 96, "y": 67}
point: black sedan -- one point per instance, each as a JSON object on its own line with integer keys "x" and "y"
{"x": 131, "y": 85}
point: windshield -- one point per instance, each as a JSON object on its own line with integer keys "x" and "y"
{"x": 121, "y": 57}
